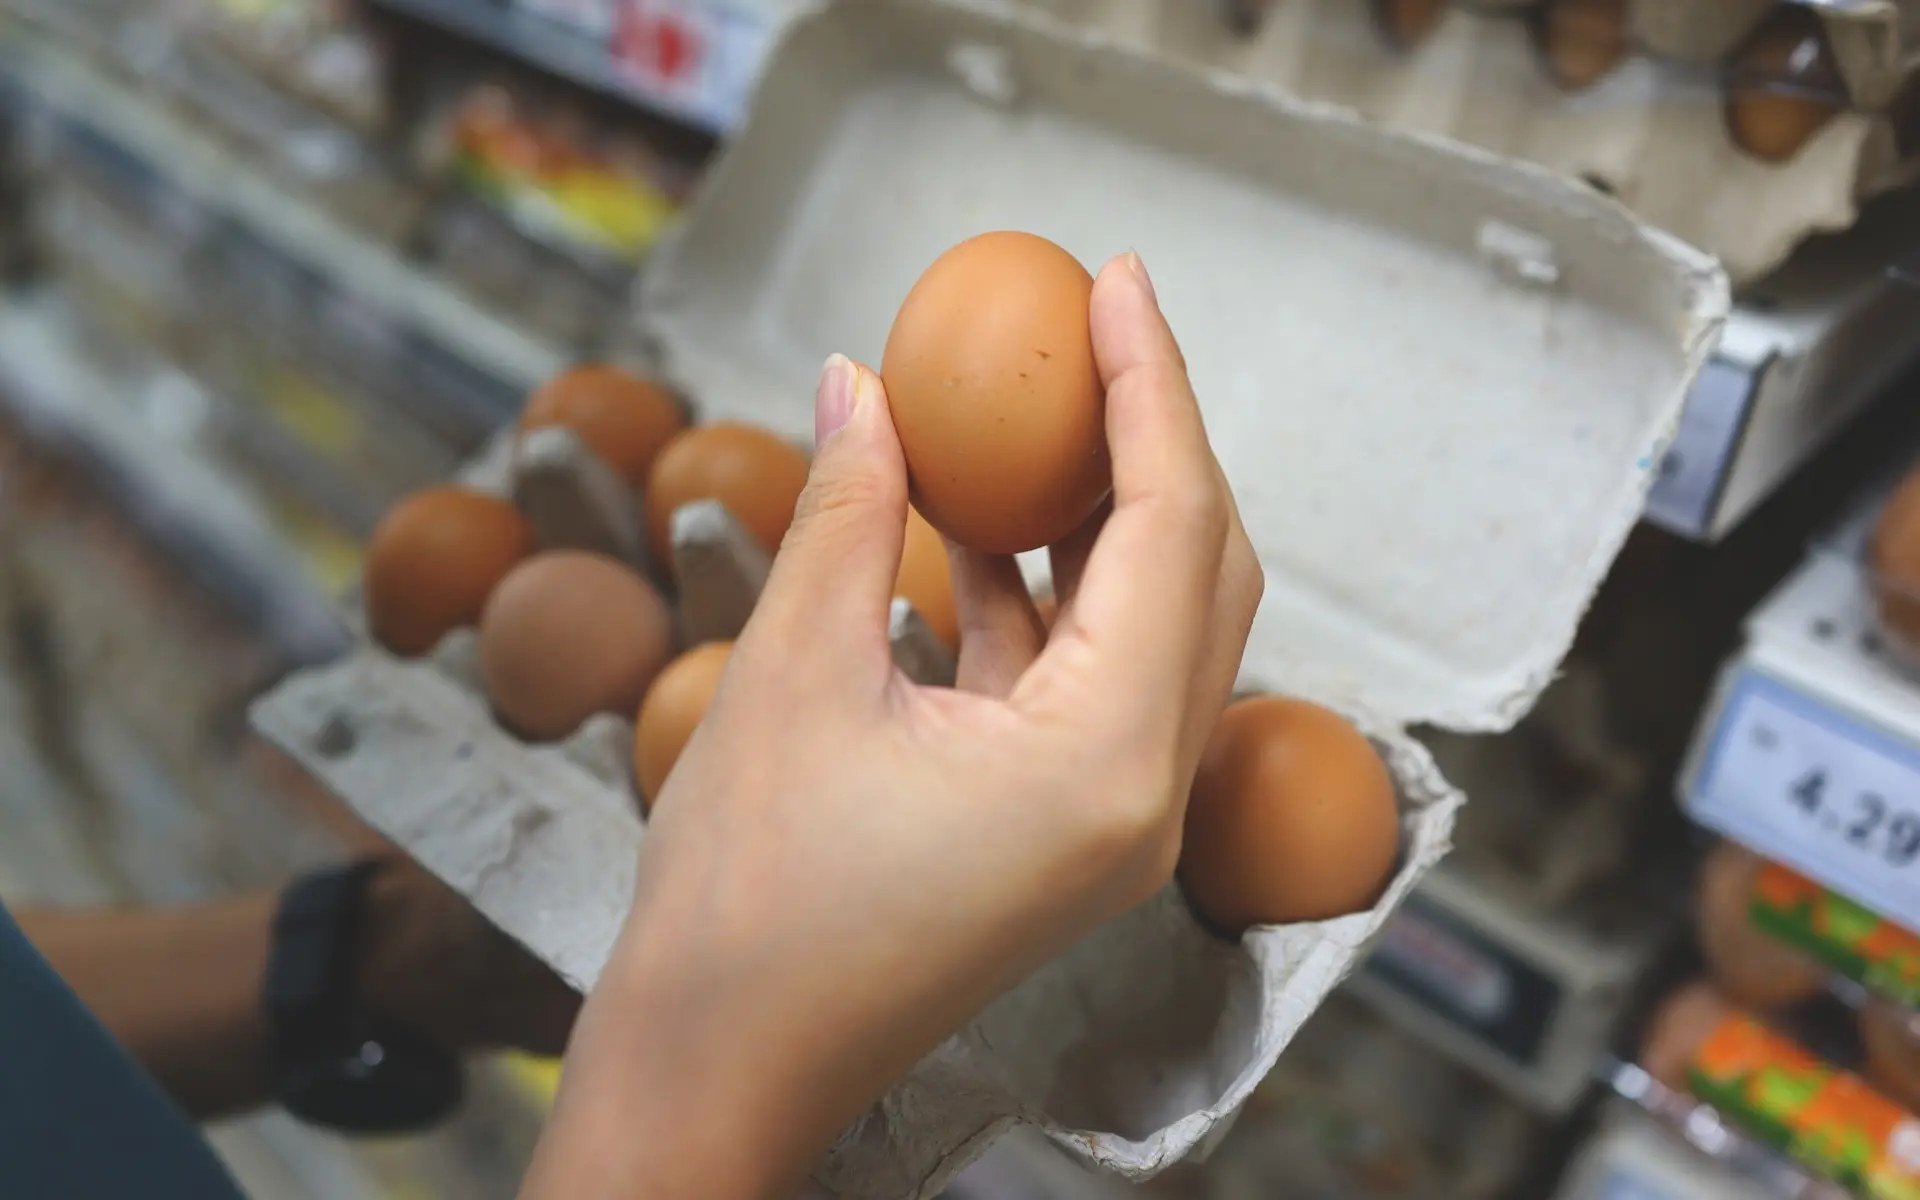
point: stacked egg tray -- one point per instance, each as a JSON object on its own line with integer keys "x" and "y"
{"x": 1652, "y": 132}
{"x": 1400, "y": 345}
{"x": 549, "y": 833}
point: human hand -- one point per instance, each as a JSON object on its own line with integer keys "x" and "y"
{"x": 844, "y": 866}
{"x": 431, "y": 963}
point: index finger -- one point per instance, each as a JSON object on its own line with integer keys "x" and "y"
{"x": 1145, "y": 599}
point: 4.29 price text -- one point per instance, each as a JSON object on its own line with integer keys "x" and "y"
{"x": 1864, "y": 820}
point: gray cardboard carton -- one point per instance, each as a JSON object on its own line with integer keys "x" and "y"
{"x": 1439, "y": 382}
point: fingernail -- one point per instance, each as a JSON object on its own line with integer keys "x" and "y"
{"x": 1139, "y": 270}
{"x": 833, "y": 402}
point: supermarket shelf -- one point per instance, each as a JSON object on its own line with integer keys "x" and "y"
{"x": 51, "y": 387}
{"x": 1635, "y": 1157}
{"x": 1809, "y": 751}
{"x": 1526, "y": 1000}
{"x": 694, "y": 61}
{"x": 173, "y": 157}
{"x": 1745, "y": 1167}
{"x": 1800, "y": 357}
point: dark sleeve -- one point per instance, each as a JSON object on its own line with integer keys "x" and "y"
{"x": 79, "y": 1119}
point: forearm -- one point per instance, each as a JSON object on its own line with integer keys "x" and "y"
{"x": 661, "y": 1100}
{"x": 180, "y": 988}
{"x": 721, "y": 1053}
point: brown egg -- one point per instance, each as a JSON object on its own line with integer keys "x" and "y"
{"x": 1894, "y": 556}
{"x": 624, "y": 420}
{"x": 434, "y": 560}
{"x": 1292, "y": 818}
{"x": 1783, "y": 85}
{"x": 673, "y": 709}
{"x": 569, "y": 634}
{"x": 755, "y": 474}
{"x": 1680, "y": 1027}
{"x": 1048, "y": 606}
{"x": 1751, "y": 967}
{"x": 1893, "y": 1052}
{"x": 926, "y": 579}
{"x": 990, "y": 374}
{"x": 1583, "y": 41}
{"x": 1407, "y": 23}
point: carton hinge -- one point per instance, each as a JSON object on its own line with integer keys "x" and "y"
{"x": 1515, "y": 254}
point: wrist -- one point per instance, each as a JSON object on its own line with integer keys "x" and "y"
{"x": 338, "y": 1063}
{"x": 672, "y": 1088}
{"x": 389, "y": 972}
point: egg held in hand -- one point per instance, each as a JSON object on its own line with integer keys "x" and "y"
{"x": 433, "y": 561}
{"x": 626, "y": 421}
{"x": 567, "y": 635}
{"x": 754, "y": 474}
{"x": 990, "y": 375}
{"x": 1293, "y": 817}
{"x": 673, "y": 709}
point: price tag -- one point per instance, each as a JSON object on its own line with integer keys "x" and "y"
{"x": 1687, "y": 489}
{"x": 592, "y": 17}
{"x": 700, "y": 57}
{"x": 1818, "y": 791}
{"x": 1437, "y": 959}
{"x": 1623, "y": 1183}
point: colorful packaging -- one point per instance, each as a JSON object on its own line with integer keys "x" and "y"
{"x": 1824, "y": 1118}
{"x": 556, "y": 182}
{"x": 1851, "y": 940}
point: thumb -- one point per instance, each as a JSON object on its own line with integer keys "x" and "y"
{"x": 833, "y": 580}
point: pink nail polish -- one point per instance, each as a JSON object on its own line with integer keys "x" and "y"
{"x": 833, "y": 403}
{"x": 1139, "y": 270}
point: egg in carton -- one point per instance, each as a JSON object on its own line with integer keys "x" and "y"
{"x": 1652, "y": 131}
{"x": 1869, "y": 37}
{"x": 1437, "y": 381}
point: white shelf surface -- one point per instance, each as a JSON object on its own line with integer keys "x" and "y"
{"x": 695, "y": 61}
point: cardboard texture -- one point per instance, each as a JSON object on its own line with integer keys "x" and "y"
{"x": 1653, "y": 133}
{"x": 1438, "y": 382}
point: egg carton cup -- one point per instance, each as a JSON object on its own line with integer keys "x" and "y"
{"x": 1438, "y": 382}
{"x": 1869, "y": 37}
{"x": 1129, "y": 1052}
{"x": 1653, "y": 133}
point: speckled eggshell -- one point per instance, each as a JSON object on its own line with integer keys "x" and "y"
{"x": 990, "y": 374}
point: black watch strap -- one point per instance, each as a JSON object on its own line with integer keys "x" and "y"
{"x": 335, "y": 1064}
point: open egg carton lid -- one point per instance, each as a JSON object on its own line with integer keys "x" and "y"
{"x": 1653, "y": 132}
{"x": 1438, "y": 381}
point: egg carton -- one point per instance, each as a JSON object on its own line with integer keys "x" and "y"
{"x": 1869, "y": 36}
{"x": 1437, "y": 380}
{"x": 1651, "y": 134}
